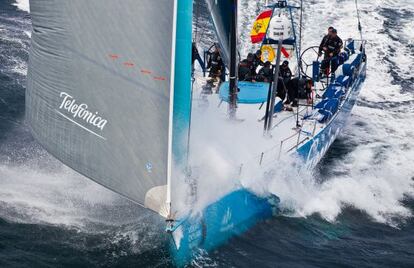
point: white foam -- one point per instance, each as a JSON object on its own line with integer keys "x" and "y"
{"x": 23, "y": 5}
{"x": 59, "y": 197}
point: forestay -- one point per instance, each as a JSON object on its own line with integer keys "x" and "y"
{"x": 101, "y": 86}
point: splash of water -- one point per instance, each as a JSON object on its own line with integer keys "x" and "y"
{"x": 23, "y": 5}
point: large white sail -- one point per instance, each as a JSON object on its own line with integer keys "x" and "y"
{"x": 100, "y": 90}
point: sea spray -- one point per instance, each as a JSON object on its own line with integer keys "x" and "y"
{"x": 23, "y": 5}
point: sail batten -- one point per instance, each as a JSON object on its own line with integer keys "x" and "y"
{"x": 100, "y": 92}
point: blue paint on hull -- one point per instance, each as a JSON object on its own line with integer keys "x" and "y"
{"x": 313, "y": 150}
{"x": 232, "y": 215}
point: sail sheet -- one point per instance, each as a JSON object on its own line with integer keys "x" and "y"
{"x": 100, "y": 90}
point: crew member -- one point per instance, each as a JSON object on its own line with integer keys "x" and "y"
{"x": 331, "y": 48}
{"x": 265, "y": 74}
{"x": 324, "y": 41}
{"x": 257, "y": 60}
{"x": 216, "y": 64}
{"x": 247, "y": 71}
{"x": 299, "y": 89}
{"x": 284, "y": 72}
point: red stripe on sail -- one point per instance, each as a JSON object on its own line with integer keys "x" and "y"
{"x": 159, "y": 78}
{"x": 129, "y": 64}
{"x": 114, "y": 56}
{"x": 146, "y": 71}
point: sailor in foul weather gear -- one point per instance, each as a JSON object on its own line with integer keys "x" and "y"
{"x": 266, "y": 73}
{"x": 247, "y": 71}
{"x": 257, "y": 61}
{"x": 216, "y": 64}
{"x": 285, "y": 75}
{"x": 325, "y": 40}
{"x": 331, "y": 49}
{"x": 244, "y": 70}
{"x": 334, "y": 44}
{"x": 298, "y": 88}
{"x": 284, "y": 72}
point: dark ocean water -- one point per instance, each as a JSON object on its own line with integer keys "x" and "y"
{"x": 360, "y": 216}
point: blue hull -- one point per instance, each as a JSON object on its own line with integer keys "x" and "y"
{"x": 232, "y": 215}
{"x": 315, "y": 148}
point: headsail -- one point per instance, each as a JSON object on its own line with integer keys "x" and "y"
{"x": 100, "y": 87}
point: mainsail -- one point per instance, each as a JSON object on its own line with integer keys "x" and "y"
{"x": 101, "y": 83}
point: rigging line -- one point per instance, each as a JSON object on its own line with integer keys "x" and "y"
{"x": 359, "y": 20}
{"x": 196, "y": 21}
{"x": 199, "y": 31}
{"x": 300, "y": 31}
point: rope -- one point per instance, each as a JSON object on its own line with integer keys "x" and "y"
{"x": 359, "y": 20}
{"x": 300, "y": 28}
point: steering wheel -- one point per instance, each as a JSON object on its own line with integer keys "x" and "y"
{"x": 307, "y": 58}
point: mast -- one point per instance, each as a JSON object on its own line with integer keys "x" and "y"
{"x": 233, "y": 62}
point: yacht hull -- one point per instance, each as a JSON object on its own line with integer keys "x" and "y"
{"x": 240, "y": 210}
{"x": 230, "y": 216}
{"x": 314, "y": 149}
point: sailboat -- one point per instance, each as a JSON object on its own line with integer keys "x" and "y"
{"x": 110, "y": 95}
{"x": 304, "y": 133}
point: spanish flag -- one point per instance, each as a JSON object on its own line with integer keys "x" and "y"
{"x": 260, "y": 26}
